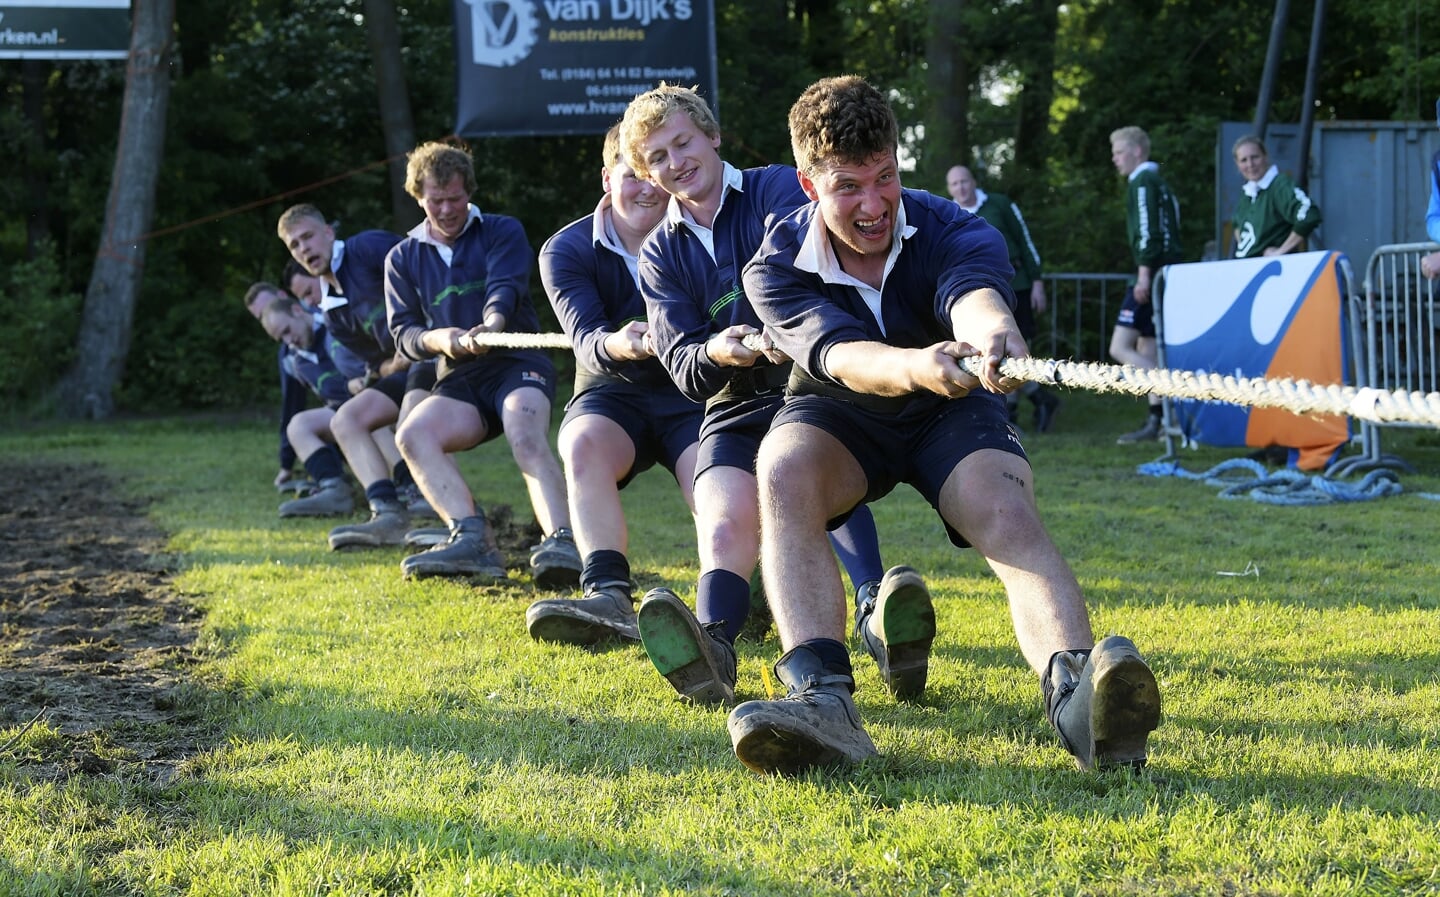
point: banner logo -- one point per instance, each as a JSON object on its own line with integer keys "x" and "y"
{"x": 502, "y": 32}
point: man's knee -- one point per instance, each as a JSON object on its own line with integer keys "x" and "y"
{"x": 315, "y": 422}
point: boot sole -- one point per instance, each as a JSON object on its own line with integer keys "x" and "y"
{"x": 1124, "y": 710}
{"x": 551, "y": 625}
{"x": 341, "y": 541}
{"x": 425, "y": 537}
{"x": 905, "y": 621}
{"x": 771, "y": 743}
{"x": 335, "y": 512}
{"x": 672, "y": 639}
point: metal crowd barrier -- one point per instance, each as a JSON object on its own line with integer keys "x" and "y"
{"x": 1393, "y": 329}
{"x": 1080, "y": 315}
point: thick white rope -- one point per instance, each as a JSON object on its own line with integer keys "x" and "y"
{"x": 1296, "y": 396}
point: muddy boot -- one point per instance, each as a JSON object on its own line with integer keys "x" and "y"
{"x": 693, "y": 656}
{"x": 605, "y": 612}
{"x": 386, "y": 526}
{"x": 896, "y": 623}
{"x": 816, "y": 724}
{"x": 332, "y": 497}
{"x": 555, "y": 562}
{"x": 470, "y": 553}
{"x": 1103, "y": 703}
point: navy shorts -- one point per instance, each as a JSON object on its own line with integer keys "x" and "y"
{"x": 731, "y": 432}
{"x": 392, "y": 386}
{"x": 921, "y": 449}
{"x": 485, "y": 382}
{"x": 420, "y": 375}
{"x": 416, "y": 376}
{"x": 1136, "y": 316}
{"x": 660, "y": 422}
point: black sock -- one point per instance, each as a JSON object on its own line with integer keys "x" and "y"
{"x": 722, "y": 595}
{"x": 833, "y": 655}
{"x": 382, "y": 491}
{"x": 400, "y": 474}
{"x": 603, "y": 567}
{"x": 324, "y": 464}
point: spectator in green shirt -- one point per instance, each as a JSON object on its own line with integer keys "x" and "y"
{"x": 1152, "y": 225}
{"x": 1274, "y": 216}
{"x": 1002, "y": 214}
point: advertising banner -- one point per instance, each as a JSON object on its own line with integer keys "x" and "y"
{"x": 65, "y": 29}
{"x": 550, "y": 67}
{"x": 1276, "y": 317}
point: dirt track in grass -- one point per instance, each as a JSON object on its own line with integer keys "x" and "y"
{"x": 93, "y": 640}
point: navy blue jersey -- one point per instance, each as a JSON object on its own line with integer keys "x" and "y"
{"x": 593, "y": 293}
{"x": 689, "y": 296}
{"x": 316, "y": 369}
{"x": 356, "y": 317}
{"x": 488, "y": 273}
{"x": 948, "y": 254}
{"x": 294, "y": 396}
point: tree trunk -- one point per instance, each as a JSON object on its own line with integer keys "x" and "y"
{"x": 1037, "y": 93}
{"x": 824, "y": 38}
{"x": 88, "y": 388}
{"x": 383, "y": 31}
{"x": 947, "y": 79}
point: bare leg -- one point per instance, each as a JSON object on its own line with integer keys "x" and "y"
{"x": 310, "y": 430}
{"x": 989, "y": 498}
{"x": 597, "y": 454}
{"x": 356, "y": 426}
{"x": 526, "y": 416}
{"x": 806, "y": 478}
{"x": 728, "y": 521}
{"x": 428, "y": 439}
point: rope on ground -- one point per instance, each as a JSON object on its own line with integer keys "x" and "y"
{"x": 1243, "y": 477}
{"x": 1295, "y": 396}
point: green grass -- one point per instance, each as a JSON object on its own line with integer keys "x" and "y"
{"x": 372, "y": 736}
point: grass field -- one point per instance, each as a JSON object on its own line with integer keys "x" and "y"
{"x": 372, "y": 736}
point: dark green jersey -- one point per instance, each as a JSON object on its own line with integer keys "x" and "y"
{"x": 1267, "y": 219}
{"x": 1152, "y": 218}
{"x": 1004, "y": 216}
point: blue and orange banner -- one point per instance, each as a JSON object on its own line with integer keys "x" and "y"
{"x": 1281, "y": 316}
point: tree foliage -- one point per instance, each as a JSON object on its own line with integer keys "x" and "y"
{"x": 275, "y": 102}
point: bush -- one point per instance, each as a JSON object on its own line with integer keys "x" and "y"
{"x": 43, "y": 319}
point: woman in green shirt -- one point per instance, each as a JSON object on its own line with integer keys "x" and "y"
{"x": 1274, "y": 216}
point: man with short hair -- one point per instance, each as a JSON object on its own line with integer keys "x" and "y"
{"x": 307, "y": 356}
{"x": 1003, "y": 215}
{"x": 878, "y": 293}
{"x": 294, "y": 395}
{"x": 457, "y": 275}
{"x": 1152, "y": 224}
{"x": 346, "y": 280}
{"x": 699, "y": 320}
{"x": 626, "y": 414}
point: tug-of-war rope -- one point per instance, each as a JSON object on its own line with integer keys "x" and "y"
{"x": 1236, "y": 478}
{"x": 1296, "y": 396}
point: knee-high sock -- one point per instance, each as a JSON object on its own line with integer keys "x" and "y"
{"x": 858, "y": 546}
{"x": 722, "y": 595}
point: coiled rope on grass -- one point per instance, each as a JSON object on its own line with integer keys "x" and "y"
{"x": 1245, "y": 478}
{"x": 1296, "y": 396}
